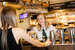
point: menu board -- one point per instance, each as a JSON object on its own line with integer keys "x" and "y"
{"x": 59, "y": 1}
{"x": 64, "y": 5}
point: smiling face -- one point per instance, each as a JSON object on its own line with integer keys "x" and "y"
{"x": 41, "y": 20}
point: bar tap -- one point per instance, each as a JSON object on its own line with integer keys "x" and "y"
{"x": 72, "y": 32}
{"x": 53, "y": 37}
{"x": 62, "y": 36}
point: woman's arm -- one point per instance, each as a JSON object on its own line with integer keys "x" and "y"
{"x": 22, "y": 34}
{"x": 33, "y": 31}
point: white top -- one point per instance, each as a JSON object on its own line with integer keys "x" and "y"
{"x": 39, "y": 33}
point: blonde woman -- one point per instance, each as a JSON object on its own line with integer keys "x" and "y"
{"x": 42, "y": 25}
{"x": 10, "y": 33}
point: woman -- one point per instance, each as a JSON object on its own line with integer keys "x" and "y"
{"x": 43, "y": 25}
{"x": 10, "y": 33}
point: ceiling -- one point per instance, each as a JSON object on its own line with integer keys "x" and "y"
{"x": 35, "y": 5}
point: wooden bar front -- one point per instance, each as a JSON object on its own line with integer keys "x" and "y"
{"x": 51, "y": 47}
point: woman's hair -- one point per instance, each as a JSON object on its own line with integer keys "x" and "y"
{"x": 47, "y": 24}
{"x": 8, "y": 17}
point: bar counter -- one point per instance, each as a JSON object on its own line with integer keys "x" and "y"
{"x": 62, "y": 45}
{"x": 51, "y": 47}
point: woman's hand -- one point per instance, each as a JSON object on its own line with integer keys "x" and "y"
{"x": 30, "y": 32}
{"x": 48, "y": 42}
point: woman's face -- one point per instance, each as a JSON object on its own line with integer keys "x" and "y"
{"x": 41, "y": 19}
